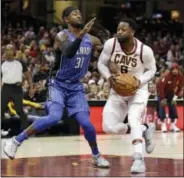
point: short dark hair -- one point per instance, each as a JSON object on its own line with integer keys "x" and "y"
{"x": 131, "y": 22}
{"x": 66, "y": 12}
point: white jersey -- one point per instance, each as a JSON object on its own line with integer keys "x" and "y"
{"x": 140, "y": 62}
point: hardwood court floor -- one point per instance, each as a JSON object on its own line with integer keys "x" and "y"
{"x": 70, "y": 156}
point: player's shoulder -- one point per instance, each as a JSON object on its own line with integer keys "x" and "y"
{"x": 145, "y": 47}
{"x": 93, "y": 37}
{"x": 110, "y": 42}
{"x": 146, "y": 50}
{"x": 60, "y": 34}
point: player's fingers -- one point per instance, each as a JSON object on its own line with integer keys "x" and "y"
{"x": 134, "y": 91}
{"x": 88, "y": 28}
{"x": 90, "y": 23}
{"x": 116, "y": 75}
{"x": 112, "y": 81}
{"x": 113, "y": 78}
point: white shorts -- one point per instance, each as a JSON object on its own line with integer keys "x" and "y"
{"x": 117, "y": 107}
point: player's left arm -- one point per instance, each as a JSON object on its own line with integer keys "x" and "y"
{"x": 149, "y": 64}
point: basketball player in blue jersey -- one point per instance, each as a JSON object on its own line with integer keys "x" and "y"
{"x": 65, "y": 89}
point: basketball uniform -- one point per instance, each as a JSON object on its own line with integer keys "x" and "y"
{"x": 65, "y": 88}
{"x": 118, "y": 106}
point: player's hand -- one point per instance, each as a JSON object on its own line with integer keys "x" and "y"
{"x": 163, "y": 102}
{"x": 112, "y": 79}
{"x": 87, "y": 27}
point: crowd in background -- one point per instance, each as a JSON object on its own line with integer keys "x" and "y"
{"x": 35, "y": 48}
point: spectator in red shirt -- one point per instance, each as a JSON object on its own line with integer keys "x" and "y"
{"x": 169, "y": 88}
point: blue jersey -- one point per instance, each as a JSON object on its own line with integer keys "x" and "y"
{"x": 73, "y": 69}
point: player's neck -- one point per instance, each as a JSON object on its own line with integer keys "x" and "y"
{"x": 73, "y": 30}
{"x": 128, "y": 46}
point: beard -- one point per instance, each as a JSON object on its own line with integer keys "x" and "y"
{"x": 78, "y": 25}
{"x": 123, "y": 39}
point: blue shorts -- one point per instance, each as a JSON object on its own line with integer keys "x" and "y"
{"x": 71, "y": 96}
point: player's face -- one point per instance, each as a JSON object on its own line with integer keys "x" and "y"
{"x": 124, "y": 32}
{"x": 75, "y": 19}
{"x": 175, "y": 71}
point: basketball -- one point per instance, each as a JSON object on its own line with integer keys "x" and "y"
{"x": 125, "y": 84}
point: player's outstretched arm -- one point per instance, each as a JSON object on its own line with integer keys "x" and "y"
{"x": 104, "y": 58}
{"x": 149, "y": 63}
{"x": 67, "y": 47}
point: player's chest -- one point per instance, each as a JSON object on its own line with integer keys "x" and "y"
{"x": 132, "y": 62}
{"x": 85, "y": 47}
{"x": 84, "y": 50}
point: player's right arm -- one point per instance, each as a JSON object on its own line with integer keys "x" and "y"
{"x": 69, "y": 48}
{"x": 66, "y": 47}
{"x": 103, "y": 62}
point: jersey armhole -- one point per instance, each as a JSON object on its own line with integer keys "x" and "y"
{"x": 113, "y": 47}
{"x": 141, "y": 52}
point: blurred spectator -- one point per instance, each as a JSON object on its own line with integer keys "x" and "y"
{"x": 29, "y": 35}
{"x": 93, "y": 91}
{"x": 171, "y": 55}
{"x": 152, "y": 89}
{"x": 33, "y": 49}
{"x": 169, "y": 89}
{"x": 49, "y": 54}
{"x": 44, "y": 41}
{"x": 104, "y": 93}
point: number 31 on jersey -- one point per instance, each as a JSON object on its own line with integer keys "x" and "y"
{"x": 79, "y": 63}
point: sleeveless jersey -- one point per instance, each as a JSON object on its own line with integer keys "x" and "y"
{"x": 129, "y": 62}
{"x": 73, "y": 69}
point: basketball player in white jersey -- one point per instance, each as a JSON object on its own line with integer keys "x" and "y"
{"x": 131, "y": 56}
